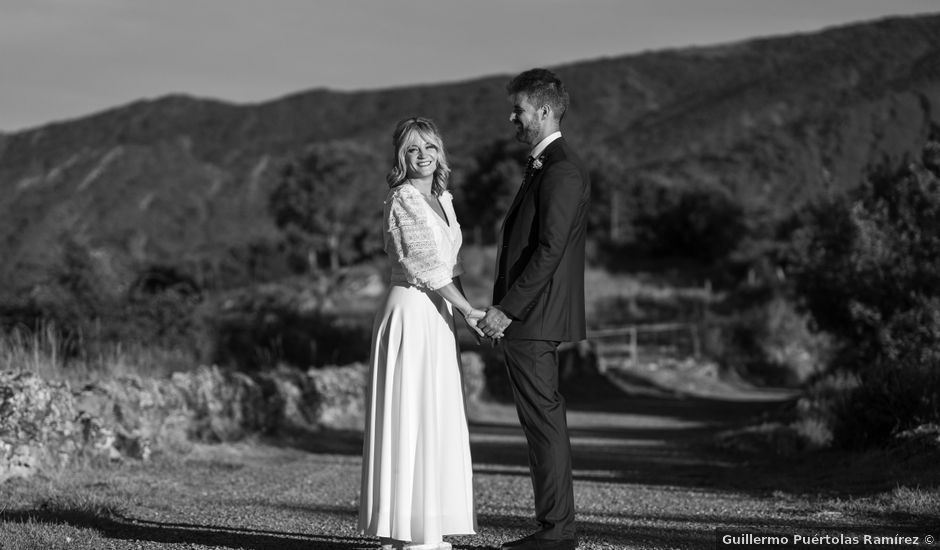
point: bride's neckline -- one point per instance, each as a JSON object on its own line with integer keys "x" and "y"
{"x": 426, "y": 195}
{"x": 432, "y": 197}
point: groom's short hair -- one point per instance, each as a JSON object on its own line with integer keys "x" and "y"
{"x": 542, "y": 87}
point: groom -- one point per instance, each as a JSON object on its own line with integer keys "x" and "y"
{"x": 538, "y": 296}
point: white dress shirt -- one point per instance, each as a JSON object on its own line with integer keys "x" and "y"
{"x": 540, "y": 146}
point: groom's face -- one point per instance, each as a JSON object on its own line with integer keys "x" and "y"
{"x": 526, "y": 117}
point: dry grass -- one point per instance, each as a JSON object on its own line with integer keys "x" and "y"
{"x": 39, "y": 352}
{"x": 911, "y": 500}
{"x": 43, "y": 352}
{"x": 904, "y": 502}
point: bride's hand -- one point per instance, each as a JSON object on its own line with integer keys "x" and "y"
{"x": 475, "y": 315}
{"x": 472, "y": 318}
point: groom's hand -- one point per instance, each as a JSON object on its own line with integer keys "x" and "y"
{"x": 494, "y": 323}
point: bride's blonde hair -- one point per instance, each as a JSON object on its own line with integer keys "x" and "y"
{"x": 408, "y": 132}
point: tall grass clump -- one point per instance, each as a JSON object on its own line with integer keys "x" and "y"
{"x": 38, "y": 351}
{"x": 50, "y": 353}
{"x": 866, "y": 266}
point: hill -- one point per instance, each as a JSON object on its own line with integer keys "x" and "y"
{"x": 183, "y": 181}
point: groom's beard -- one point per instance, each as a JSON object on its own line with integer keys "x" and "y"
{"x": 526, "y": 134}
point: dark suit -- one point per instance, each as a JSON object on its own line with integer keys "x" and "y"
{"x": 540, "y": 285}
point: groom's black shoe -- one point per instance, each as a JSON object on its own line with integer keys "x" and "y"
{"x": 532, "y": 543}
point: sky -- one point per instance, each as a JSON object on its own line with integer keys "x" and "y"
{"x": 63, "y": 59}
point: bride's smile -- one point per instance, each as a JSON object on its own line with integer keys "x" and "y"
{"x": 421, "y": 159}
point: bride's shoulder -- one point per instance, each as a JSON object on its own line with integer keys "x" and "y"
{"x": 403, "y": 191}
{"x": 404, "y": 200}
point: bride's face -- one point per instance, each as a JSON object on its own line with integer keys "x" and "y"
{"x": 421, "y": 158}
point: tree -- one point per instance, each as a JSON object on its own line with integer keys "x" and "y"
{"x": 611, "y": 215}
{"x": 698, "y": 222}
{"x": 329, "y": 203}
{"x": 488, "y": 189}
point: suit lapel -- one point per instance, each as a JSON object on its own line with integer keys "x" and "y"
{"x": 523, "y": 189}
{"x": 529, "y": 183}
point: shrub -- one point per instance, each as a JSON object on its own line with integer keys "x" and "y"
{"x": 866, "y": 268}
{"x": 769, "y": 342}
{"x": 260, "y": 327}
{"x": 700, "y": 222}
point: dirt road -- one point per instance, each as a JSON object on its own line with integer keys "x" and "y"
{"x": 645, "y": 478}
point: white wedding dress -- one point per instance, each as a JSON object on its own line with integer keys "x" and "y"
{"x": 416, "y": 470}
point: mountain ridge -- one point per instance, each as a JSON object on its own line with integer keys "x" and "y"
{"x": 766, "y": 121}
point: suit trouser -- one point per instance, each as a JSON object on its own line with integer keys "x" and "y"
{"x": 533, "y": 372}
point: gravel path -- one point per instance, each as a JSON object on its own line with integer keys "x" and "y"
{"x": 645, "y": 478}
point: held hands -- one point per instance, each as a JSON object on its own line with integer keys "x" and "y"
{"x": 473, "y": 318}
{"x": 494, "y": 323}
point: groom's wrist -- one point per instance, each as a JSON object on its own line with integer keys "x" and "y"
{"x": 502, "y": 310}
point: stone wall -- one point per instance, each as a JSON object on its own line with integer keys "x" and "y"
{"x": 45, "y": 425}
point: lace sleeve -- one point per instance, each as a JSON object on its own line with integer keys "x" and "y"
{"x": 411, "y": 242}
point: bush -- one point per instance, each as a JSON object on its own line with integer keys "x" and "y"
{"x": 893, "y": 398}
{"x": 769, "y": 343}
{"x": 866, "y": 268}
{"x": 260, "y": 327}
{"x": 94, "y": 308}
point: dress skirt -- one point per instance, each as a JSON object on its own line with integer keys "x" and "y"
{"x": 416, "y": 469}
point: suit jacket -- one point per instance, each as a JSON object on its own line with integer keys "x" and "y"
{"x": 540, "y": 262}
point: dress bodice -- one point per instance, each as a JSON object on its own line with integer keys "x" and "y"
{"x": 424, "y": 248}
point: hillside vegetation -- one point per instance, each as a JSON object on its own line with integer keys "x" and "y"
{"x": 249, "y": 235}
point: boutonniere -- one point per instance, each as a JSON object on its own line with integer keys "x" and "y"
{"x": 537, "y": 163}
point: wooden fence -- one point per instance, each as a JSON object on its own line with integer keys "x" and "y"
{"x": 617, "y": 345}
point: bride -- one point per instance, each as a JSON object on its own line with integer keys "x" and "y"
{"x": 416, "y": 470}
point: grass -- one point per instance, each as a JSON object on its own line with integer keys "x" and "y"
{"x": 35, "y": 534}
{"x": 911, "y": 500}
{"x": 39, "y": 352}
{"x": 56, "y": 512}
{"x": 905, "y": 504}
{"x": 43, "y": 352}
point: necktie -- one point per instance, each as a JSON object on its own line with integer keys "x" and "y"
{"x": 528, "y": 170}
